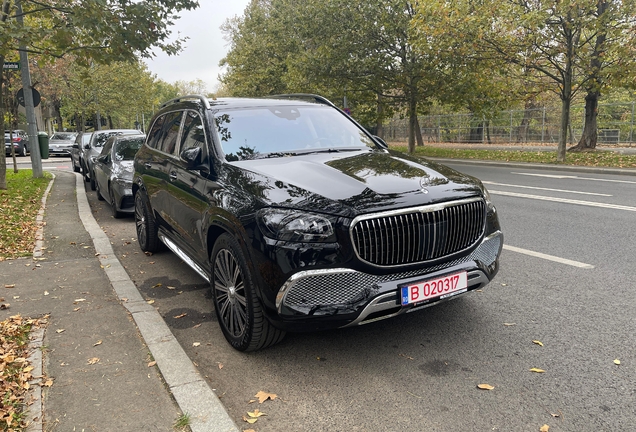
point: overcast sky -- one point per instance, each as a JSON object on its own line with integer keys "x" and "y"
{"x": 206, "y": 46}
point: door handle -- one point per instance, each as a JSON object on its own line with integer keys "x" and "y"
{"x": 148, "y": 165}
{"x": 172, "y": 175}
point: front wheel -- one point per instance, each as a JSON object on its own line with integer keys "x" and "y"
{"x": 147, "y": 233}
{"x": 238, "y": 309}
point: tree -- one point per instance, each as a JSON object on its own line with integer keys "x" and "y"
{"x": 95, "y": 31}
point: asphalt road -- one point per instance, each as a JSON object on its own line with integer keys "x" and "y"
{"x": 566, "y": 280}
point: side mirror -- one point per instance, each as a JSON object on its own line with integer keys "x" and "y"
{"x": 192, "y": 157}
{"x": 380, "y": 141}
{"x": 87, "y": 146}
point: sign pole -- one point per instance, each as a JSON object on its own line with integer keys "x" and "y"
{"x": 32, "y": 130}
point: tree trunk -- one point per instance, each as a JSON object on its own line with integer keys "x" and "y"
{"x": 3, "y": 157}
{"x": 563, "y": 136}
{"x": 418, "y": 134}
{"x": 590, "y": 130}
{"x": 379, "y": 122}
{"x": 412, "y": 124}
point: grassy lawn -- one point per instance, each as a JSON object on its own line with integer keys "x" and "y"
{"x": 19, "y": 206}
{"x": 599, "y": 158}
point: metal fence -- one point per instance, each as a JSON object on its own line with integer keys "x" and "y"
{"x": 541, "y": 125}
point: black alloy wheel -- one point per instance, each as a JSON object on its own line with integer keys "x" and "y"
{"x": 239, "y": 311}
{"x": 147, "y": 233}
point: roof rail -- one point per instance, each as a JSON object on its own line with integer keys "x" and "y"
{"x": 201, "y": 98}
{"x": 301, "y": 96}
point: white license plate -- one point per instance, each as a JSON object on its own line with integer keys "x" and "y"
{"x": 433, "y": 288}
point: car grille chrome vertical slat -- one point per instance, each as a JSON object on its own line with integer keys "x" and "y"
{"x": 419, "y": 234}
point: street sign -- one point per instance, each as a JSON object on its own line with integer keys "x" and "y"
{"x": 36, "y": 97}
{"x": 11, "y": 65}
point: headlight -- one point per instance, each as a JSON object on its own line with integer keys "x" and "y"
{"x": 295, "y": 226}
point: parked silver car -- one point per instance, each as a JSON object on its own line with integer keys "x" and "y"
{"x": 81, "y": 140}
{"x": 61, "y": 143}
{"x": 113, "y": 172}
{"x": 20, "y": 142}
{"x": 91, "y": 150}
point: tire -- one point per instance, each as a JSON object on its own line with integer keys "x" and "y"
{"x": 99, "y": 193}
{"x": 93, "y": 183}
{"x": 85, "y": 172}
{"x": 76, "y": 168}
{"x": 22, "y": 152}
{"x": 145, "y": 225}
{"x": 238, "y": 309}
{"x": 116, "y": 213}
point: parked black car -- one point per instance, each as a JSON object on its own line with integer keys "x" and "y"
{"x": 301, "y": 220}
{"x": 94, "y": 147}
{"x": 113, "y": 170}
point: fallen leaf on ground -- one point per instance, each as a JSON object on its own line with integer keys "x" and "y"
{"x": 263, "y": 396}
{"x": 544, "y": 428}
{"x": 485, "y": 386}
{"x": 46, "y": 293}
{"x": 150, "y": 301}
{"x": 537, "y": 342}
{"x": 197, "y": 326}
{"x": 93, "y": 360}
{"x": 617, "y": 362}
{"x": 509, "y": 324}
{"x": 537, "y": 370}
{"x": 180, "y": 316}
{"x": 256, "y": 414}
{"x": 157, "y": 285}
{"x": 47, "y": 383}
{"x": 249, "y": 420}
{"x": 5, "y": 306}
{"x": 171, "y": 287}
{"x": 60, "y": 330}
{"x": 406, "y": 357}
{"x": 220, "y": 365}
{"x": 76, "y": 309}
{"x": 97, "y": 343}
{"x": 152, "y": 363}
{"x": 80, "y": 300}
{"x": 10, "y": 286}
{"x": 196, "y": 344}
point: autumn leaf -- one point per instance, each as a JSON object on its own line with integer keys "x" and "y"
{"x": 9, "y": 286}
{"x": 509, "y": 324}
{"x": 544, "y": 428}
{"x": 537, "y": 342}
{"x": 99, "y": 342}
{"x": 250, "y": 420}
{"x": 617, "y": 362}
{"x": 263, "y": 396}
{"x": 93, "y": 360}
{"x": 485, "y": 386}
{"x": 157, "y": 285}
{"x": 152, "y": 363}
{"x": 180, "y": 316}
{"x": 537, "y": 370}
{"x": 256, "y": 413}
{"x": 150, "y": 301}
{"x": 220, "y": 365}
{"x": 60, "y": 330}
{"x": 196, "y": 344}
{"x": 5, "y": 306}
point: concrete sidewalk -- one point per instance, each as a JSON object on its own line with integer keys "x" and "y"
{"x": 102, "y": 338}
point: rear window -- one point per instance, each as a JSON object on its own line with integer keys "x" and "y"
{"x": 253, "y": 133}
{"x": 63, "y": 136}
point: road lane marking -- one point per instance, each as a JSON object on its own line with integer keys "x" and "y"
{"x": 546, "y": 189}
{"x": 565, "y": 200}
{"x": 548, "y": 257}
{"x": 574, "y": 177}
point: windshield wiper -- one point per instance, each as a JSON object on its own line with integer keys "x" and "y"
{"x": 329, "y": 150}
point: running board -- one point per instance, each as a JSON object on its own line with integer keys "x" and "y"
{"x": 184, "y": 257}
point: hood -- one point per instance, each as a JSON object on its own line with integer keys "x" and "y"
{"x": 350, "y": 184}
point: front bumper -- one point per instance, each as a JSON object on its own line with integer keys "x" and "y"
{"x": 341, "y": 297}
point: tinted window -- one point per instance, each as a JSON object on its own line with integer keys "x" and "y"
{"x": 63, "y": 136}
{"x": 193, "y": 133}
{"x": 126, "y": 148}
{"x": 155, "y": 133}
{"x": 170, "y": 132}
{"x": 108, "y": 146}
{"x": 247, "y": 134}
{"x": 102, "y": 137}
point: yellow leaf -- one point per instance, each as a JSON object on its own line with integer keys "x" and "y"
{"x": 256, "y": 413}
{"x": 617, "y": 362}
{"x": 150, "y": 301}
{"x": 220, "y": 365}
{"x": 544, "y": 428}
{"x": 60, "y": 330}
{"x": 509, "y": 324}
{"x": 196, "y": 344}
{"x": 152, "y": 363}
{"x": 485, "y": 386}
{"x": 93, "y": 360}
{"x": 9, "y": 286}
{"x": 250, "y": 420}
{"x": 97, "y": 343}
{"x": 263, "y": 396}
{"x": 48, "y": 383}
{"x": 537, "y": 370}
{"x": 157, "y": 285}
{"x": 180, "y": 316}
{"x": 537, "y": 342}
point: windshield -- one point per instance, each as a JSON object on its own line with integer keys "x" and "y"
{"x": 285, "y": 130}
{"x": 63, "y": 136}
{"x": 125, "y": 149}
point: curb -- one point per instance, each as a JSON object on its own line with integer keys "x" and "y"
{"x": 34, "y": 414}
{"x": 39, "y": 220}
{"x": 190, "y": 390}
{"x": 572, "y": 168}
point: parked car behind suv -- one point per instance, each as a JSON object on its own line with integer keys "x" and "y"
{"x": 91, "y": 150}
{"x": 113, "y": 170}
{"x": 61, "y": 143}
{"x": 302, "y": 220}
{"x": 77, "y": 148}
{"x": 20, "y": 142}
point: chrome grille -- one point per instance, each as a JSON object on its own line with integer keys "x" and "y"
{"x": 420, "y": 234}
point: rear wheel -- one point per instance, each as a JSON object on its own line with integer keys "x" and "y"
{"x": 147, "y": 233}
{"x": 76, "y": 168}
{"x": 238, "y": 309}
{"x": 93, "y": 183}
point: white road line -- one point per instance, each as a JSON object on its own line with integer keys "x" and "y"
{"x": 565, "y": 200}
{"x": 546, "y": 189}
{"x": 548, "y": 257}
{"x": 574, "y": 177}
